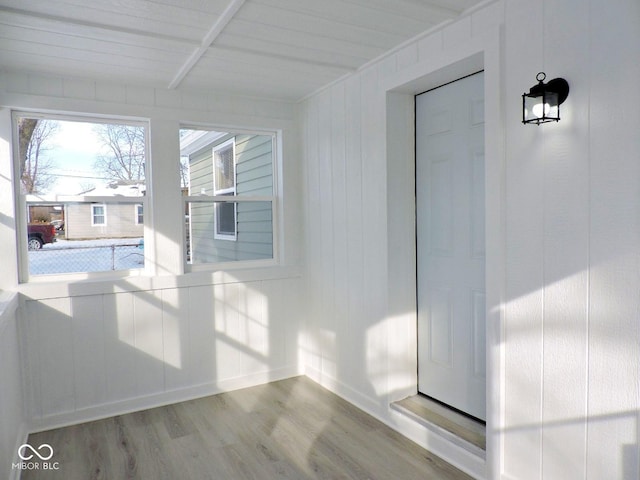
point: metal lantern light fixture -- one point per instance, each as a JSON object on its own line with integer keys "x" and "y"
{"x": 542, "y": 103}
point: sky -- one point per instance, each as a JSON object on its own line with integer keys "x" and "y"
{"x": 74, "y": 148}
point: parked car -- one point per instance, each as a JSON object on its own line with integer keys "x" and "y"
{"x": 39, "y": 234}
{"x": 59, "y": 224}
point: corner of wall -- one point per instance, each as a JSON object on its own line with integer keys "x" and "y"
{"x": 13, "y": 426}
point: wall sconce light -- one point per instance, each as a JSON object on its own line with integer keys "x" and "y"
{"x": 542, "y": 103}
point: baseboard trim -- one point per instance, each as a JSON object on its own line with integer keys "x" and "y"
{"x": 122, "y": 407}
{"x": 437, "y": 444}
{"x": 344, "y": 391}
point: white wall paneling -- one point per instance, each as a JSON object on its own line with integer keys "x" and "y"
{"x": 613, "y": 351}
{"x": 13, "y": 418}
{"x": 524, "y": 257}
{"x": 96, "y": 348}
{"x": 354, "y": 171}
{"x": 562, "y": 243}
{"x": 401, "y": 251}
{"x": 566, "y": 267}
{"x": 95, "y": 355}
{"x": 370, "y": 355}
{"x": 9, "y": 278}
{"x": 562, "y": 249}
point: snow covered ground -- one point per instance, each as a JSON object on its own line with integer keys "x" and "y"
{"x": 70, "y": 256}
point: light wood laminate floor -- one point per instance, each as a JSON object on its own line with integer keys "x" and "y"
{"x": 290, "y": 429}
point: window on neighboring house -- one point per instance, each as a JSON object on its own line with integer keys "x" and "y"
{"x": 139, "y": 215}
{"x": 74, "y": 174}
{"x": 224, "y": 184}
{"x": 98, "y": 215}
{"x": 230, "y": 204}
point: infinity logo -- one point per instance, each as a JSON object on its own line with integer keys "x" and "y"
{"x": 26, "y": 446}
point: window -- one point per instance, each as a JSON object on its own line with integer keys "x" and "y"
{"x": 76, "y": 182}
{"x": 139, "y": 215}
{"x": 230, "y": 198}
{"x": 98, "y": 215}
{"x": 224, "y": 183}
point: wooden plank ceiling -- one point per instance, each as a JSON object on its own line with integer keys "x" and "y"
{"x": 282, "y": 49}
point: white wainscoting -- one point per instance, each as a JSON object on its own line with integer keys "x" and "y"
{"x": 12, "y": 416}
{"x": 91, "y": 356}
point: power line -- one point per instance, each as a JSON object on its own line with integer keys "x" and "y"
{"x": 69, "y": 175}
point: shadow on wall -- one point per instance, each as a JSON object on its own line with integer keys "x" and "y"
{"x": 628, "y": 453}
{"x": 85, "y": 353}
{"x": 7, "y": 221}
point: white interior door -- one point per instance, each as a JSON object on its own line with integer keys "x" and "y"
{"x": 450, "y": 230}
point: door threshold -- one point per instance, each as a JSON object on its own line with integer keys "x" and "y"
{"x": 456, "y": 427}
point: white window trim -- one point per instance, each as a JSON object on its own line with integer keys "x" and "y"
{"x": 275, "y": 200}
{"x": 137, "y": 214}
{"x": 25, "y": 278}
{"x": 93, "y": 214}
{"x": 231, "y": 191}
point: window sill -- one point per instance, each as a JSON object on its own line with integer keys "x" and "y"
{"x": 60, "y": 287}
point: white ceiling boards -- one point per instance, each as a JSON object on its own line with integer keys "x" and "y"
{"x": 283, "y": 49}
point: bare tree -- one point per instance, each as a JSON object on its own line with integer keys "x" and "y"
{"x": 35, "y": 166}
{"x": 124, "y": 156}
{"x": 184, "y": 172}
{"x": 26, "y": 126}
{"x": 86, "y": 186}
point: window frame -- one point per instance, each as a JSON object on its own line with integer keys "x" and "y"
{"x": 21, "y": 200}
{"x": 273, "y": 199}
{"x": 229, "y": 191}
{"x": 94, "y": 215}
{"x": 138, "y": 212}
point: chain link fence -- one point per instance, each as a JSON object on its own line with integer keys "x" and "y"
{"x": 87, "y": 256}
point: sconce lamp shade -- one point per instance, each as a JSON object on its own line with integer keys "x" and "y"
{"x": 542, "y": 103}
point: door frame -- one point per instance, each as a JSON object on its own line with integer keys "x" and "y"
{"x": 423, "y": 325}
{"x": 400, "y": 90}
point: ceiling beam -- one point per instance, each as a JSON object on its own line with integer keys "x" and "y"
{"x": 213, "y": 33}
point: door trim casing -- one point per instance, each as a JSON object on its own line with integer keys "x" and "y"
{"x": 401, "y": 259}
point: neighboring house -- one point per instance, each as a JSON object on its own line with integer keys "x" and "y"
{"x": 106, "y": 219}
{"x": 226, "y": 164}
{"x": 45, "y": 213}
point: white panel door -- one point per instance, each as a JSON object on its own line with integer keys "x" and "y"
{"x": 450, "y": 244}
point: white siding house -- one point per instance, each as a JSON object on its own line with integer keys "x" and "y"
{"x": 105, "y": 218}
{"x": 339, "y": 305}
{"x": 99, "y": 220}
{"x": 229, "y": 232}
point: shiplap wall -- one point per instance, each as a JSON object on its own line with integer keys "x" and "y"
{"x": 13, "y": 418}
{"x": 572, "y": 305}
{"x": 569, "y": 376}
{"x": 94, "y": 355}
{"x": 358, "y": 340}
{"x": 96, "y": 348}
